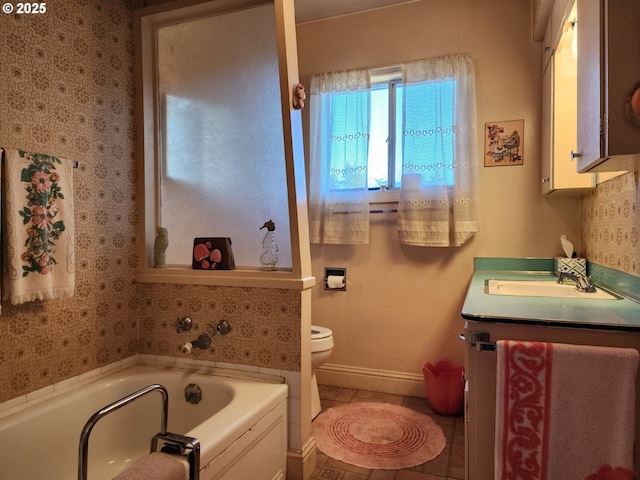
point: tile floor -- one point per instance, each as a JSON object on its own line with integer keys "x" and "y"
{"x": 449, "y": 465}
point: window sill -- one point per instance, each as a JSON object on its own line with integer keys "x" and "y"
{"x": 240, "y": 277}
{"x": 384, "y": 197}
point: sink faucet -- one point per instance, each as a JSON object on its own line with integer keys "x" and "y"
{"x": 582, "y": 281}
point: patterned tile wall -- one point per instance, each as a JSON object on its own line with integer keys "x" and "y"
{"x": 611, "y": 224}
{"x": 265, "y": 323}
{"x": 68, "y": 89}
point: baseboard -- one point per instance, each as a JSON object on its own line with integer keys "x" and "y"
{"x": 300, "y": 465}
{"x": 385, "y": 381}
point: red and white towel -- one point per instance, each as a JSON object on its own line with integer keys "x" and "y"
{"x": 564, "y": 411}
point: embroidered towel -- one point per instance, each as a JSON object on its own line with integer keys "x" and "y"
{"x": 156, "y": 466}
{"x": 564, "y": 411}
{"x": 37, "y": 228}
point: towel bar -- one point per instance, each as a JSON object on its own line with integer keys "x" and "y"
{"x": 182, "y": 445}
{"x": 83, "y": 454}
{"x": 486, "y": 347}
{"x": 480, "y": 340}
{"x": 75, "y": 163}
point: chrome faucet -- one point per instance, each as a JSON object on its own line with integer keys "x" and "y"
{"x": 203, "y": 341}
{"x": 582, "y": 281}
{"x": 184, "y": 324}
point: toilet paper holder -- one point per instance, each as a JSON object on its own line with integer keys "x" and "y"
{"x": 335, "y": 272}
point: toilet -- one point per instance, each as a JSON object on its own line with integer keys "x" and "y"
{"x": 321, "y": 346}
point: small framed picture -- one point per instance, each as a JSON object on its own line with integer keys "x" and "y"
{"x": 212, "y": 254}
{"x": 504, "y": 143}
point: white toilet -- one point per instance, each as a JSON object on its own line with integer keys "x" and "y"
{"x": 321, "y": 346}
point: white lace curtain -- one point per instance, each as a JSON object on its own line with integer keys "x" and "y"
{"x": 339, "y": 144}
{"x": 439, "y": 199}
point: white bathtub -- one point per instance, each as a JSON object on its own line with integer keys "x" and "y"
{"x": 241, "y": 425}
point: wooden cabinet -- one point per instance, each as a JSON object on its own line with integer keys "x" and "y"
{"x": 608, "y": 73}
{"x": 480, "y": 372}
{"x": 559, "y": 105}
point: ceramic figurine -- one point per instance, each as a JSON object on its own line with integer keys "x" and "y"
{"x": 159, "y": 247}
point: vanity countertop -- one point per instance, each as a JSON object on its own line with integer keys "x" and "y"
{"x": 619, "y": 314}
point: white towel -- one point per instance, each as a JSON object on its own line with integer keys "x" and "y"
{"x": 564, "y": 411}
{"x": 37, "y": 227}
{"x": 157, "y": 466}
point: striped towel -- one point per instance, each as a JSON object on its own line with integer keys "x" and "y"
{"x": 37, "y": 227}
{"x": 564, "y": 411}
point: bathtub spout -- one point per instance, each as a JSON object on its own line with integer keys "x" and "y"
{"x": 203, "y": 342}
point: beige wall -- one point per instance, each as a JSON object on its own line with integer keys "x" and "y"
{"x": 403, "y": 304}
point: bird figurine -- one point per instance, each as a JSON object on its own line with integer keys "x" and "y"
{"x": 160, "y": 247}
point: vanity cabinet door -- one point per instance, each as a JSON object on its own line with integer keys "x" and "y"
{"x": 480, "y": 371}
{"x": 546, "y": 134}
{"x": 559, "y": 105}
{"x": 559, "y": 113}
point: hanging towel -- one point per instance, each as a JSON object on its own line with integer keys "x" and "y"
{"x": 564, "y": 411}
{"x": 37, "y": 227}
{"x": 157, "y": 466}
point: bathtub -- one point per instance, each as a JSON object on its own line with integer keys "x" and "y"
{"x": 241, "y": 424}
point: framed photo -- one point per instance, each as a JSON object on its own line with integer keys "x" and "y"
{"x": 212, "y": 254}
{"x": 504, "y": 143}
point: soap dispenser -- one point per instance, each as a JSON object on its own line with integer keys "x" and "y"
{"x": 269, "y": 257}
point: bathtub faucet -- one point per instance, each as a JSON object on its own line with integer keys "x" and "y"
{"x": 203, "y": 342}
{"x": 582, "y": 282}
{"x": 184, "y": 324}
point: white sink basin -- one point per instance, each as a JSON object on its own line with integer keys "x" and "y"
{"x": 542, "y": 288}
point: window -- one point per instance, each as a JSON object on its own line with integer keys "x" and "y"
{"x": 217, "y": 141}
{"x": 391, "y": 123}
{"x": 411, "y": 129}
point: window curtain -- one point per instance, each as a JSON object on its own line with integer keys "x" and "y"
{"x": 439, "y": 200}
{"x": 339, "y": 139}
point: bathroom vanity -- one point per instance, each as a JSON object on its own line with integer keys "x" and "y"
{"x": 491, "y": 317}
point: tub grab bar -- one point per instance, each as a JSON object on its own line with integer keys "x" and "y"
{"x": 188, "y": 446}
{"x": 83, "y": 454}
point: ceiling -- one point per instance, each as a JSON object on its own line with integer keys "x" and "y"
{"x": 309, "y": 10}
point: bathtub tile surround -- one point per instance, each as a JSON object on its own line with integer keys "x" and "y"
{"x": 69, "y": 88}
{"x": 265, "y": 323}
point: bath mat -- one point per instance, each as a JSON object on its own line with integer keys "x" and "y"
{"x": 378, "y": 435}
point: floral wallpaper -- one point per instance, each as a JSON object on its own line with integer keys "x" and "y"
{"x": 611, "y": 224}
{"x": 68, "y": 90}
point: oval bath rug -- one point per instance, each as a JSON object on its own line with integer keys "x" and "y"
{"x": 378, "y": 435}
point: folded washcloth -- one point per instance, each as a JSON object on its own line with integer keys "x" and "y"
{"x": 564, "y": 411}
{"x": 157, "y": 466}
{"x": 37, "y": 227}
